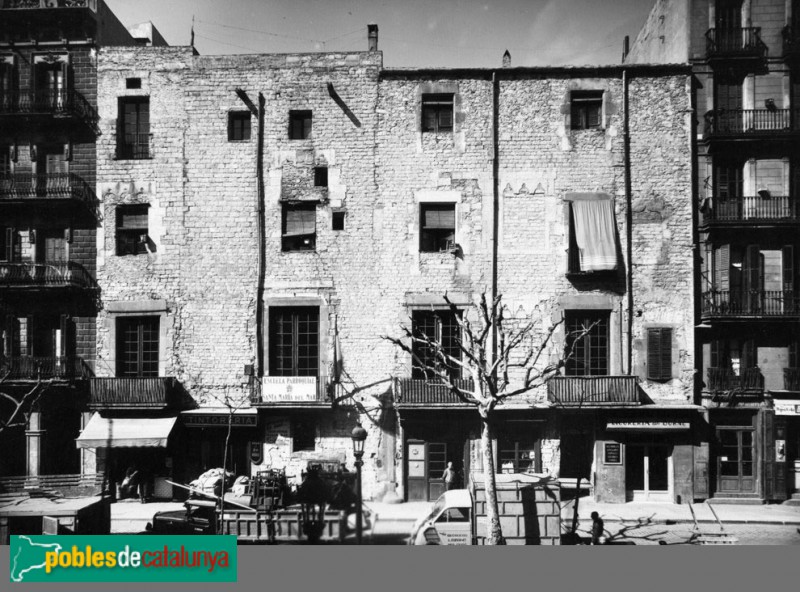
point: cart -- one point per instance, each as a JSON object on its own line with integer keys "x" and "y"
{"x": 713, "y": 537}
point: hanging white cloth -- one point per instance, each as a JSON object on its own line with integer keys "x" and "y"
{"x": 595, "y": 234}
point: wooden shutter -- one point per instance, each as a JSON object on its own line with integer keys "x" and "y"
{"x": 794, "y": 360}
{"x": 8, "y": 246}
{"x": 722, "y": 268}
{"x": 748, "y": 353}
{"x": 788, "y": 270}
{"x": 716, "y": 354}
{"x": 659, "y": 354}
{"x": 307, "y": 125}
{"x": 701, "y": 454}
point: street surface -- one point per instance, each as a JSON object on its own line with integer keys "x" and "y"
{"x": 681, "y": 534}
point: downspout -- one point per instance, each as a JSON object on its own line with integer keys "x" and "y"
{"x": 495, "y": 198}
{"x": 626, "y": 142}
{"x": 262, "y": 247}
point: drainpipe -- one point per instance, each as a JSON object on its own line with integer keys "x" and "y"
{"x": 262, "y": 247}
{"x": 626, "y": 142}
{"x": 495, "y": 195}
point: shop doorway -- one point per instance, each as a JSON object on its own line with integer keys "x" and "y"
{"x": 648, "y": 473}
{"x": 735, "y": 460}
{"x": 426, "y": 464}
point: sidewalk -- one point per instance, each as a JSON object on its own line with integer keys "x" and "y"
{"x": 131, "y": 516}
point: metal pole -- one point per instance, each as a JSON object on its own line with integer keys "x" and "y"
{"x": 359, "y": 464}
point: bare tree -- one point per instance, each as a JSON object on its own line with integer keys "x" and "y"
{"x": 521, "y": 361}
{"x": 16, "y": 410}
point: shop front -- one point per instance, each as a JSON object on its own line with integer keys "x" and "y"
{"x": 787, "y": 444}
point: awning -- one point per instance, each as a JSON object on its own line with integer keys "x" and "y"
{"x": 126, "y": 432}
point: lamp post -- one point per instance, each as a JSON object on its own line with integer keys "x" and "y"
{"x": 359, "y": 435}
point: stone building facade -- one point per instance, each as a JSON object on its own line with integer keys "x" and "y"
{"x": 382, "y": 191}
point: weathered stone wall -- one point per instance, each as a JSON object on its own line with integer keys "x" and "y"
{"x": 664, "y": 38}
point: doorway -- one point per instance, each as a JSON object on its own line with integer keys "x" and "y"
{"x": 735, "y": 460}
{"x": 426, "y": 464}
{"x": 648, "y": 473}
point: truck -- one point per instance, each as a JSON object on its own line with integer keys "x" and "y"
{"x": 528, "y": 504}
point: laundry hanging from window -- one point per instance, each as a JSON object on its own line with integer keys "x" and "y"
{"x": 595, "y": 234}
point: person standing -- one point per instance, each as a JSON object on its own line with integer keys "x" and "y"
{"x": 598, "y": 528}
{"x": 450, "y": 477}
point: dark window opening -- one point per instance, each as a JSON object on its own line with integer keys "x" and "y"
{"x": 320, "y": 176}
{"x": 659, "y": 354}
{"x": 299, "y": 227}
{"x": 10, "y": 244}
{"x": 137, "y": 347}
{"x": 294, "y": 341}
{"x": 519, "y": 449}
{"x": 299, "y": 125}
{"x": 441, "y": 327}
{"x": 132, "y": 228}
{"x": 587, "y": 339}
{"x": 338, "y": 221}
{"x": 586, "y": 109}
{"x": 437, "y": 113}
{"x": 437, "y": 227}
{"x": 238, "y": 126}
{"x": 133, "y": 83}
{"x": 304, "y": 434}
{"x": 133, "y": 132}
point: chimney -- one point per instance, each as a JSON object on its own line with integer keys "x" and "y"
{"x": 626, "y": 47}
{"x": 506, "y": 60}
{"x": 372, "y": 37}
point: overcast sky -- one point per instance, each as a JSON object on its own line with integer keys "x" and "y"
{"x": 413, "y": 33}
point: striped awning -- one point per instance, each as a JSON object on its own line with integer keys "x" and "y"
{"x": 126, "y": 432}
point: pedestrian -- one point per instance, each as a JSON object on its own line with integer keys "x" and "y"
{"x": 450, "y": 477}
{"x": 598, "y": 528}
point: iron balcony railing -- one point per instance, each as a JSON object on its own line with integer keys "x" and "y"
{"x": 754, "y": 209}
{"x": 21, "y": 4}
{"x": 729, "y": 122}
{"x": 724, "y": 379}
{"x": 62, "y": 102}
{"x": 741, "y": 42}
{"x": 422, "y": 392}
{"x": 45, "y": 275}
{"x": 45, "y": 368}
{"x": 774, "y": 303}
{"x": 791, "y": 379}
{"x": 592, "y": 391}
{"x": 132, "y": 393}
{"x": 291, "y": 391}
{"x": 14, "y": 186}
{"x": 134, "y": 146}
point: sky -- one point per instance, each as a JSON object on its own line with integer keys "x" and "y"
{"x": 412, "y": 33}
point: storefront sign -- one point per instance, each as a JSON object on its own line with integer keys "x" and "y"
{"x": 288, "y": 388}
{"x": 220, "y": 420}
{"x": 612, "y": 453}
{"x": 631, "y": 426}
{"x": 787, "y": 407}
{"x": 256, "y": 452}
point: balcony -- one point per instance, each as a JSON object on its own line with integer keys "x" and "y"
{"x": 751, "y": 211}
{"x": 134, "y": 147}
{"x": 738, "y": 48}
{"x": 292, "y": 391}
{"x": 133, "y": 393}
{"x": 64, "y": 103}
{"x": 45, "y": 275}
{"x": 32, "y": 368}
{"x": 750, "y": 303}
{"x": 791, "y": 45}
{"x": 46, "y": 186}
{"x": 418, "y": 392}
{"x": 30, "y": 4}
{"x": 593, "y": 391}
{"x": 747, "y": 123}
{"x": 791, "y": 379}
{"x": 729, "y": 389}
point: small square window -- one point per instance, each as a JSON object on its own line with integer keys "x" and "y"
{"x": 133, "y": 83}
{"x": 586, "y": 109}
{"x": 437, "y": 113}
{"x": 238, "y": 126}
{"x": 299, "y": 227}
{"x": 338, "y": 221}
{"x": 132, "y": 229}
{"x": 437, "y": 227}
{"x": 304, "y": 433}
{"x": 320, "y": 176}
{"x": 299, "y": 125}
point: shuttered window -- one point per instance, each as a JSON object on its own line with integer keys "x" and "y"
{"x": 437, "y": 113}
{"x": 299, "y": 232}
{"x": 586, "y": 107}
{"x": 659, "y": 354}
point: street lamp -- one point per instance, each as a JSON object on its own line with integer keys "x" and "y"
{"x": 359, "y": 436}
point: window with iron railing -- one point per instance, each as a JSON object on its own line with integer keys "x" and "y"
{"x": 294, "y": 341}
{"x": 133, "y": 128}
{"x": 587, "y": 341}
{"x": 137, "y": 347}
{"x": 442, "y": 327}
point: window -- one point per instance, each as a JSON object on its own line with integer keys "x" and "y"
{"x": 519, "y": 455}
{"x": 320, "y": 176}
{"x": 443, "y": 328}
{"x": 133, "y": 132}
{"x": 586, "y": 109}
{"x": 299, "y": 125}
{"x": 592, "y": 236}
{"x": 304, "y": 434}
{"x": 437, "y": 113}
{"x": 132, "y": 229}
{"x": 134, "y": 83}
{"x": 238, "y": 126}
{"x": 137, "y": 347}
{"x": 5, "y": 163}
{"x": 294, "y": 341}
{"x": 659, "y": 354}
{"x": 437, "y": 227}
{"x": 590, "y": 351}
{"x": 299, "y": 227}
{"x": 337, "y": 222}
